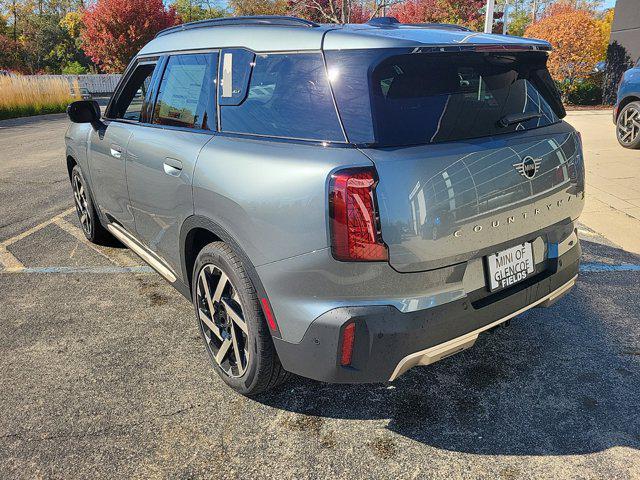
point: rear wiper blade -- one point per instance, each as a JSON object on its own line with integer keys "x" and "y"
{"x": 512, "y": 118}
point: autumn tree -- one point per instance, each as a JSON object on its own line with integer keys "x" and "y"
{"x": 468, "y": 13}
{"x": 115, "y": 30}
{"x": 258, "y": 7}
{"x": 576, "y": 38}
{"x": 338, "y": 11}
{"x": 605, "y": 23}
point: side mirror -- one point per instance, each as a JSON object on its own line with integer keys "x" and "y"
{"x": 84, "y": 111}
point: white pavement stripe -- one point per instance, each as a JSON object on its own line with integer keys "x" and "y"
{"x": 73, "y": 270}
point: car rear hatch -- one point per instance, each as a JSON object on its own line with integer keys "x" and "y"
{"x": 469, "y": 147}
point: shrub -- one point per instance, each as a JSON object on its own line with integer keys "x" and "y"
{"x": 24, "y": 96}
{"x": 74, "y": 68}
{"x": 585, "y": 93}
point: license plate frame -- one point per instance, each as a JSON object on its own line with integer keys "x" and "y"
{"x": 510, "y": 266}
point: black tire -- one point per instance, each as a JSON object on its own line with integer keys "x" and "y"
{"x": 87, "y": 214}
{"x": 259, "y": 368}
{"x": 628, "y": 126}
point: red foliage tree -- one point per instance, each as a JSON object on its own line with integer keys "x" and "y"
{"x": 9, "y": 54}
{"x": 467, "y": 13}
{"x": 114, "y": 30}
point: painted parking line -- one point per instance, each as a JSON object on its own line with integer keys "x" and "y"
{"x": 94, "y": 270}
{"x": 588, "y": 267}
{"x": 10, "y": 264}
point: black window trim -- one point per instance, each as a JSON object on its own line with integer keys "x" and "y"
{"x": 280, "y": 137}
{"x": 161, "y": 60}
{"x": 133, "y": 65}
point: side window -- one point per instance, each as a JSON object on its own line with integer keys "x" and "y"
{"x": 288, "y": 96}
{"x": 130, "y": 102}
{"x": 186, "y": 96}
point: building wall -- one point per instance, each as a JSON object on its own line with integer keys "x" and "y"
{"x": 626, "y": 27}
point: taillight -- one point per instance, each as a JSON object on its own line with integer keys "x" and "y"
{"x": 348, "y": 337}
{"x": 354, "y": 218}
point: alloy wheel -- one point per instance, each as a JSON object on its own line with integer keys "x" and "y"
{"x": 82, "y": 207}
{"x": 222, "y": 320}
{"x": 629, "y": 126}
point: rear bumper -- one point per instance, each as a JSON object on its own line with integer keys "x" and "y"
{"x": 388, "y": 342}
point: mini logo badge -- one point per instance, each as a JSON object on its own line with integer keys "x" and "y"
{"x": 528, "y": 167}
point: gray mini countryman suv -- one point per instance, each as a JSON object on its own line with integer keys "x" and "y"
{"x": 343, "y": 202}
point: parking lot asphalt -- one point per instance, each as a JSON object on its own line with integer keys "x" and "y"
{"x": 103, "y": 374}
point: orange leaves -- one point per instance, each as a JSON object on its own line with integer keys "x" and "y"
{"x": 576, "y": 38}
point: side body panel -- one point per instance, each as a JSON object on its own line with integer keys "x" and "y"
{"x": 160, "y": 166}
{"x": 269, "y": 195}
{"x": 77, "y": 142}
{"x": 107, "y": 162}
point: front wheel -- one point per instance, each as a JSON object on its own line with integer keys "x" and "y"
{"x": 628, "y": 126}
{"x": 87, "y": 214}
{"x": 232, "y": 324}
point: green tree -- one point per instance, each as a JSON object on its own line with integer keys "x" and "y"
{"x": 518, "y": 22}
{"x": 194, "y": 10}
{"x": 74, "y": 68}
{"x": 39, "y": 40}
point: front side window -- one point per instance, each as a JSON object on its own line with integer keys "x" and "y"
{"x": 288, "y": 96}
{"x": 186, "y": 96}
{"x": 391, "y": 98}
{"x": 131, "y": 100}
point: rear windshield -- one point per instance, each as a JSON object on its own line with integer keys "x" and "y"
{"x": 395, "y": 98}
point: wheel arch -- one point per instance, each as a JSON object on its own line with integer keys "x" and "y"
{"x": 626, "y": 101}
{"x": 71, "y": 162}
{"x": 198, "y": 231}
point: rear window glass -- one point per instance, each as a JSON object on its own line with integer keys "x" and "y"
{"x": 288, "y": 96}
{"x": 414, "y": 98}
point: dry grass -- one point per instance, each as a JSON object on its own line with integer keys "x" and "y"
{"x": 23, "y": 96}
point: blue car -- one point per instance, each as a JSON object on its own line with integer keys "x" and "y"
{"x": 627, "y": 110}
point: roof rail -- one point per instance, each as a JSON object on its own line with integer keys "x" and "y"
{"x": 447, "y": 26}
{"x": 249, "y": 20}
{"x": 392, "y": 22}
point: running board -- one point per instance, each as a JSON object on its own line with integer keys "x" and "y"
{"x": 150, "y": 258}
{"x": 451, "y": 347}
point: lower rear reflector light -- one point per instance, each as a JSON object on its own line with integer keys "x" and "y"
{"x": 271, "y": 321}
{"x": 348, "y": 336}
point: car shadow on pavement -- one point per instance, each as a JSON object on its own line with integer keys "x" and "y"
{"x": 558, "y": 381}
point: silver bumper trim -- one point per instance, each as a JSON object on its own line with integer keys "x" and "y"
{"x": 453, "y": 346}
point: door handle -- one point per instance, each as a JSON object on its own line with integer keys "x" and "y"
{"x": 116, "y": 151}
{"x": 172, "y": 166}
